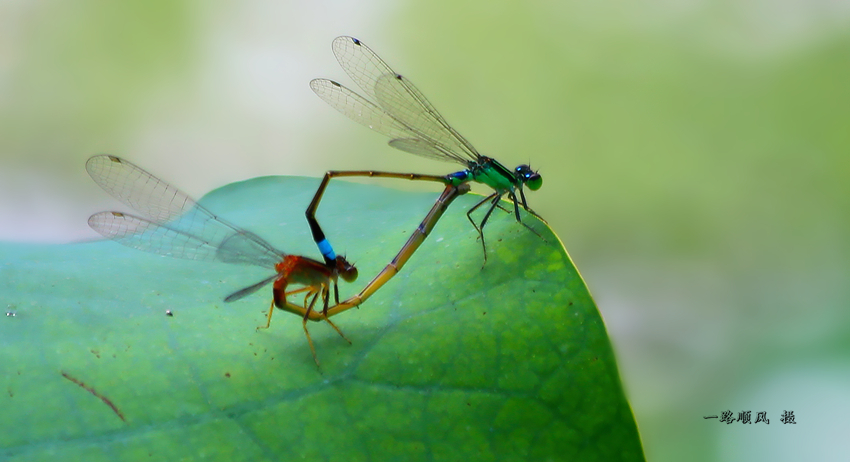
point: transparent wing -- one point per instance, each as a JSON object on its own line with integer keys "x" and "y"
{"x": 130, "y": 184}
{"x": 174, "y": 224}
{"x": 241, "y": 293}
{"x": 413, "y": 115}
{"x": 368, "y": 114}
{"x": 422, "y": 148}
{"x": 358, "y": 108}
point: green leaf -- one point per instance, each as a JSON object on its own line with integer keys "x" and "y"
{"x": 448, "y": 361}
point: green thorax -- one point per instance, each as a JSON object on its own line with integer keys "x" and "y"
{"x": 495, "y": 175}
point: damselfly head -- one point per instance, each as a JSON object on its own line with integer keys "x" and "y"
{"x": 529, "y": 177}
{"x": 346, "y": 270}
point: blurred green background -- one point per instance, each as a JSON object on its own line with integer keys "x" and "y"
{"x": 695, "y": 158}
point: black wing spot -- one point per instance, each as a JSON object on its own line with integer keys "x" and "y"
{"x": 356, "y": 42}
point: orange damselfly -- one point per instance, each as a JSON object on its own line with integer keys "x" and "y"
{"x": 173, "y": 224}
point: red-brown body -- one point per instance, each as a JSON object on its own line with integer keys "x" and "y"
{"x": 315, "y": 276}
{"x": 295, "y": 269}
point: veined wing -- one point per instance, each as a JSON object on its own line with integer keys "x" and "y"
{"x": 135, "y": 187}
{"x": 358, "y": 108}
{"x": 399, "y": 98}
{"x": 368, "y": 114}
{"x": 176, "y": 225}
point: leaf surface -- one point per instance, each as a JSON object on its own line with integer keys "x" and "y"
{"x": 448, "y": 361}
